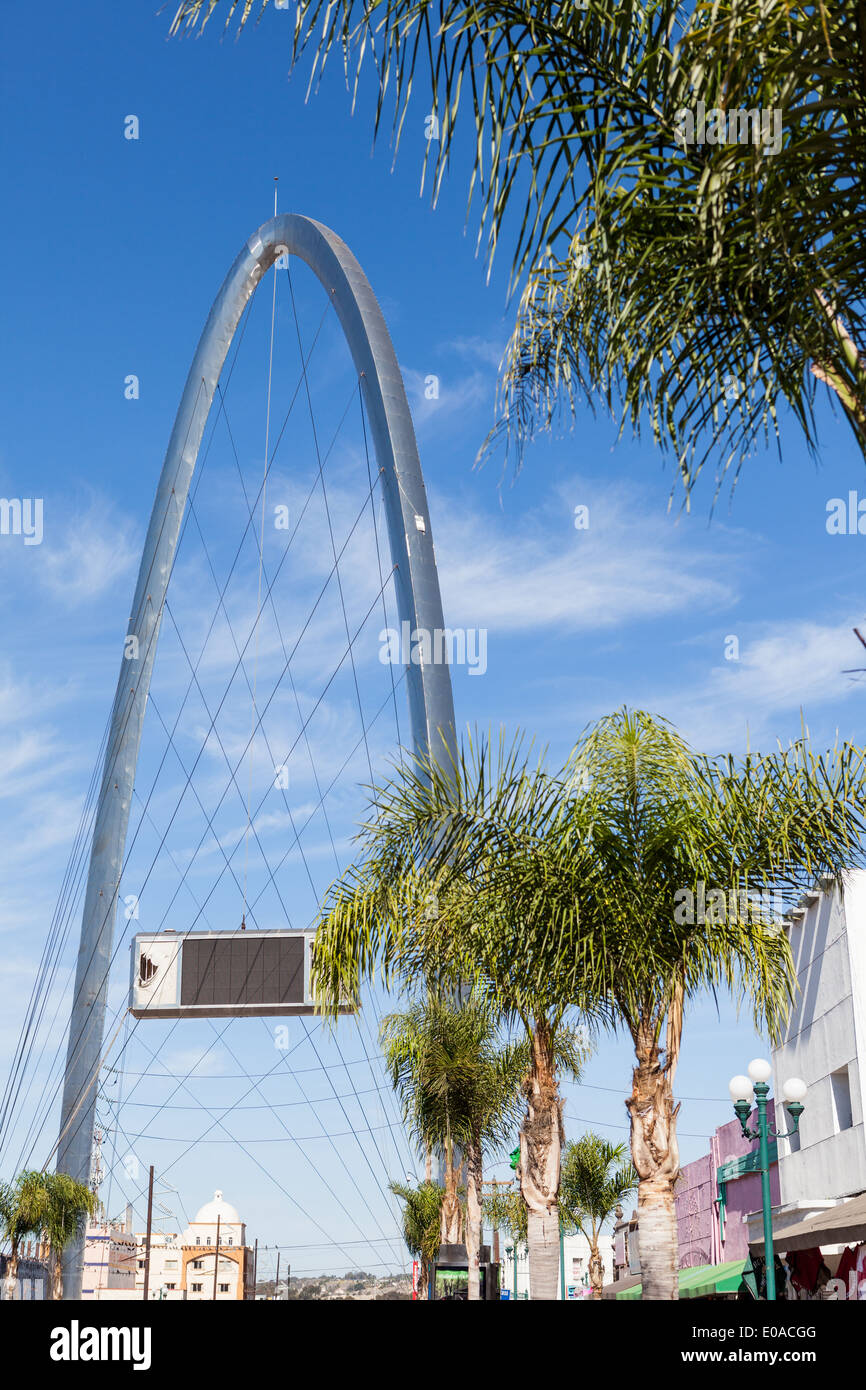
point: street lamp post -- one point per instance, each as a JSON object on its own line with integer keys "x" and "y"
{"x": 561, "y": 1262}
{"x": 742, "y": 1089}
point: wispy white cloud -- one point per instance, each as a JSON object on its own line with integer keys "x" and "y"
{"x": 84, "y": 554}
{"x": 791, "y": 666}
{"x": 627, "y": 566}
{"x": 445, "y": 394}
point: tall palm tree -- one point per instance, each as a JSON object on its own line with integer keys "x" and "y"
{"x": 67, "y": 1203}
{"x": 596, "y": 1177}
{"x": 555, "y": 1051}
{"x": 407, "y": 909}
{"x": 694, "y": 287}
{"x": 630, "y": 883}
{"x": 460, "y": 1090}
{"x": 22, "y": 1209}
{"x": 692, "y": 860}
{"x": 422, "y": 1216}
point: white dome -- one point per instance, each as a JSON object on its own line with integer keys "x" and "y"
{"x": 207, "y": 1215}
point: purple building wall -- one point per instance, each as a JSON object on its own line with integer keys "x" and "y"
{"x": 698, "y": 1227}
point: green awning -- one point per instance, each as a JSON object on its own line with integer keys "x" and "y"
{"x": 702, "y": 1280}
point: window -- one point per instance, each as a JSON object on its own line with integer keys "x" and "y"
{"x": 196, "y": 1288}
{"x": 208, "y": 1240}
{"x": 197, "y": 1264}
{"x": 841, "y": 1091}
{"x": 171, "y": 1264}
{"x": 224, "y": 1288}
{"x": 171, "y": 1286}
{"x": 141, "y": 1264}
{"x": 231, "y": 1240}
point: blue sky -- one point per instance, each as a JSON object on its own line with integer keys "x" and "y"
{"x": 113, "y": 250}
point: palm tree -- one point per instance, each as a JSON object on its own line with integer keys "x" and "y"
{"x": 590, "y": 1192}
{"x": 555, "y": 1051}
{"x": 422, "y": 1216}
{"x": 66, "y": 1204}
{"x": 693, "y": 286}
{"x": 684, "y": 851}
{"x": 699, "y": 287}
{"x": 460, "y": 1090}
{"x": 409, "y": 911}
{"x": 630, "y": 883}
{"x": 507, "y": 1211}
{"x": 22, "y": 1207}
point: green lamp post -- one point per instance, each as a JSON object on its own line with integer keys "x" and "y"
{"x": 561, "y": 1261}
{"x": 743, "y": 1090}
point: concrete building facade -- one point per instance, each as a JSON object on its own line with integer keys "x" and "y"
{"x": 825, "y": 1044}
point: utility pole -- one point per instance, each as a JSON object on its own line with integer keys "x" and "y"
{"x": 217, "y": 1258}
{"x": 277, "y": 1279}
{"x": 255, "y": 1267}
{"x": 147, "y": 1238}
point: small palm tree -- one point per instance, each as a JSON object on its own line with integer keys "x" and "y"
{"x": 22, "y": 1210}
{"x": 506, "y": 1211}
{"x": 422, "y": 1216}
{"x": 460, "y": 1091}
{"x": 66, "y": 1204}
{"x": 596, "y": 1177}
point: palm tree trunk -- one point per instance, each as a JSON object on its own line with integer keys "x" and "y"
{"x": 655, "y": 1155}
{"x": 838, "y": 375}
{"x": 452, "y": 1223}
{"x": 11, "y": 1280}
{"x": 596, "y": 1269}
{"x": 541, "y": 1139}
{"x": 57, "y": 1274}
{"x": 473, "y": 1218}
{"x": 543, "y": 1245}
{"x": 423, "y": 1277}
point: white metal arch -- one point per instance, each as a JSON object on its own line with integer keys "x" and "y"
{"x": 431, "y": 707}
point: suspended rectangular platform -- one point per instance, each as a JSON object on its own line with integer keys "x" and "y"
{"x": 256, "y": 974}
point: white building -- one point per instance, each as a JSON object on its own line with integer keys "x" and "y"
{"x": 183, "y": 1265}
{"x": 165, "y": 1277}
{"x": 576, "y": 1260}
{"x": 825, "y": 1044}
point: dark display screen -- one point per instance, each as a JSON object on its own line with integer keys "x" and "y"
{"x": 249, "y": 969}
